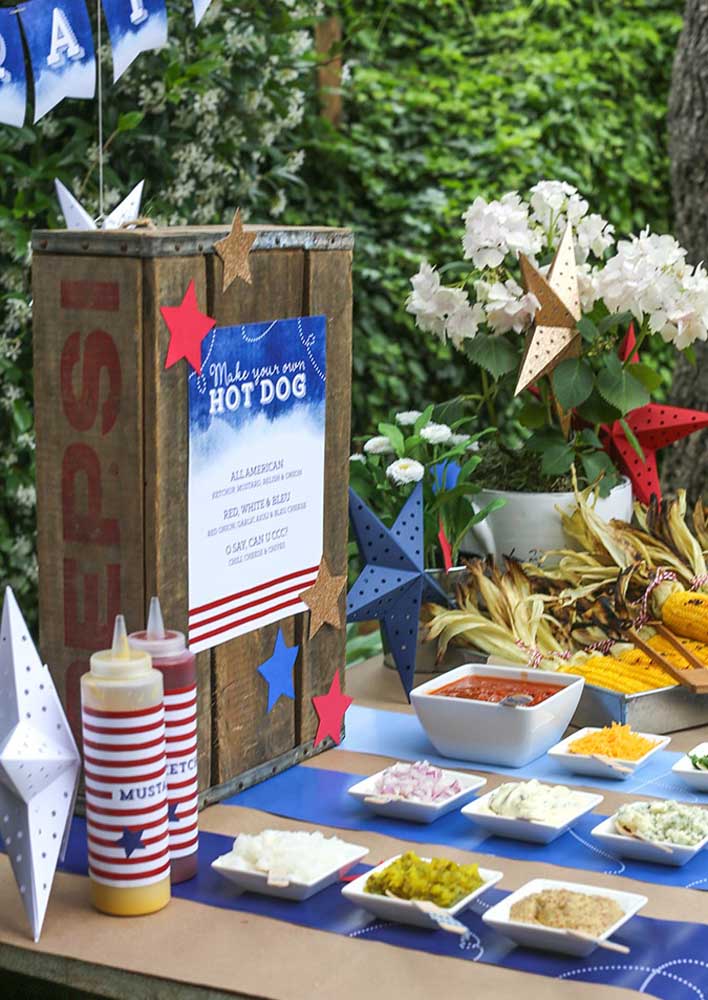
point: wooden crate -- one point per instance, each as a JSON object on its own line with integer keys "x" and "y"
{"x": 112, "y": 464}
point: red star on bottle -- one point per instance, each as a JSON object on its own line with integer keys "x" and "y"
{"x": 331, "y": 708}
{"x": 188, "y": 327}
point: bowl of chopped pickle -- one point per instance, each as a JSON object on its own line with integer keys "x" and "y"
{"x": 402, "y": 888}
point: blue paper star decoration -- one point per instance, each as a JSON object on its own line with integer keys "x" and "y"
{"x": 278, "y": 670}
{"x": 393, "y": 584}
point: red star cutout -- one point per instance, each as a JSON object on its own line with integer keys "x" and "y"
{"x": 188, "y": 327}
{"x": 331, "y": 708}
{"x": 655, "y": 426}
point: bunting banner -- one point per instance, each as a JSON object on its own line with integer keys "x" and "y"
{"x": 13, "y": 84}
{"x": 134, "y": 26}
{"x": 59, "y": 42}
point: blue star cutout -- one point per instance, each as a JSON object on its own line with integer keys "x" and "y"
{"x": 393, "y": 583}
{"x": 278, "y": 671}
{"x": 132, "y": 840}
{"x": 172, "y": 808}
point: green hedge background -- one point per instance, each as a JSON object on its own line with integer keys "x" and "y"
{"x": 444, "y": 100}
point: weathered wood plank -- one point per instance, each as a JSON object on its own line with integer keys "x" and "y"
{"x": 167, "y": 470}
{"x": 329, "y": 292}
{"x": 244, "y": 735}
{"x": 89, "y": 412}
{"x": 184, "y": 241}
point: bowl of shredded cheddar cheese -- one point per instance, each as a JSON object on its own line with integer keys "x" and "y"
{"x": 614, "y": 751}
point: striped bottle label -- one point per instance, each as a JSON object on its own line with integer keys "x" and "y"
{"x": 126, "y": 796}
{"x": 182, "y": 783}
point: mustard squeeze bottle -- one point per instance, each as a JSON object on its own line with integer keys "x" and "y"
{"x": 122, "y": 717}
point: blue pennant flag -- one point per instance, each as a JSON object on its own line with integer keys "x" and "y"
{"x": 393, "y": 583}
{"x": 60, "y": 43}
{"x": 135, "y": 26}
{"x": 13, "y": 84}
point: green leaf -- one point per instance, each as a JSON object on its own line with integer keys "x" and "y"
{"x": 650, "y": 379}
{"x": 533, "y": 414}
{"x": 614, "y": 320}
{"x": 690, "y": 355}
{"x": 395, "y": 436}
{"x": 548, "y": 438}
{"x": 596, "y": 464}
{"x": 129, "y": 120}
{"x": 494, "y": 354}
{"x": 587, "y": 329}
{"x": 22, "y": 415}
{"x": 557, "y": 459}
{"x": 619, "y": 387}
{"x": 424, "y": 418}
{"x": 632, "y": 438}
{"x": 572, "y": 382}
{"x": 597, "y": 411}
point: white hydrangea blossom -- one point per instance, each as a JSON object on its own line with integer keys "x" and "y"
{"x": 649, "y": 277}
{"x": 404, "y": 471}
{"x": 593, "y": 235}
{"x": 506, "y": 304}
{"x": 494, "y": 229}
{"x": 357, "y": 457}
{"x": 439, "y": 309}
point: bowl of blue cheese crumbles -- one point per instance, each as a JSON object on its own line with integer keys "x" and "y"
{"x": 665, "y": 832}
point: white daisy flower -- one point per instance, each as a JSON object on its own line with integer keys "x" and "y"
{"x": 404, "y": 471}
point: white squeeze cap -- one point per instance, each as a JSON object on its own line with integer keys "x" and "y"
{"x": 121, "y": 660}
{"x": 157, "y": 640}
{"x": 155, "y": 625}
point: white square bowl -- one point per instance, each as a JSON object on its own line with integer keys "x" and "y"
{"x": 580, "y": 763}
{"x": 624, "y": 846}
{"x": 404, "y": 911}
{"x": 551, "y": 938}
{"x": 522, "y": 829}
{"x": 250, "y": 881}
{"x": 685, "y": 770}
{"x": 413, "y": 809}
{"x": 490, "y": 733}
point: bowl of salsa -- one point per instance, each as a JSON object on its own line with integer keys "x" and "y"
{"x": 462, "y": 714}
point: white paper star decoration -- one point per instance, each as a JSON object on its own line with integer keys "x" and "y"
{"x": 39, "y": 766}
{"x": 76, "y": 216}
{"x": 555, "y": 335}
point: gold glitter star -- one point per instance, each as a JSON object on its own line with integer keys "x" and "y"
{"x": 322, "y": 598}
{"x": 555, "y": 335}
{"x": 233, "y": 251}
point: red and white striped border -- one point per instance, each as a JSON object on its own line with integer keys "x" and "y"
{"x": 236, "y": 610}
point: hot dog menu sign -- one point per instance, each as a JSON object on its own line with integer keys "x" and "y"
{"x": 256, "y": 475}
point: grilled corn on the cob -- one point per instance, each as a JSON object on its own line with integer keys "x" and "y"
{"x": 686, "y": 612}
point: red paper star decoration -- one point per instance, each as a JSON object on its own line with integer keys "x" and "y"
{"x": 655, "y": 426}
{"x": 331, "y": 708}
{"x": 188, "y": 327}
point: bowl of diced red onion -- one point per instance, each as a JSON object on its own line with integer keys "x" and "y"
{"x": 418, "y": 791}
